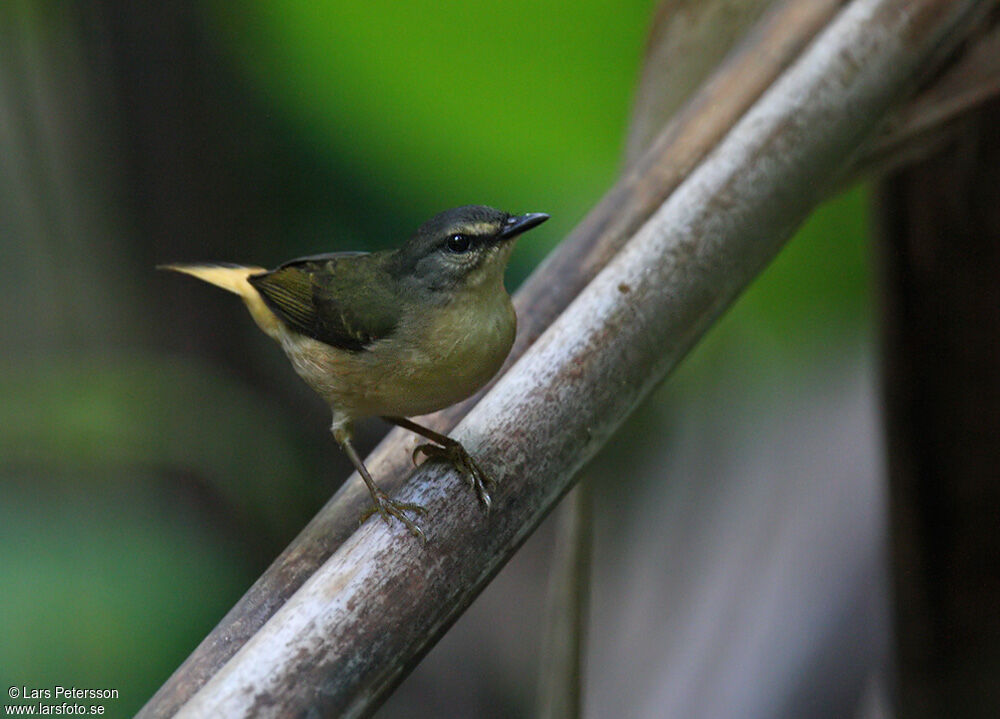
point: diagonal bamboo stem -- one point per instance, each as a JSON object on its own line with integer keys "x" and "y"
{"x": 342, "y": 641}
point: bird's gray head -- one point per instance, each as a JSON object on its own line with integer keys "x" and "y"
{"x": 463, "y": 247}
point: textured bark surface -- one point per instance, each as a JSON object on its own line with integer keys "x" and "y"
{"x": 688, "y": 39}
{"x": 940, "y": 257}
{"x": 931, "y": 119}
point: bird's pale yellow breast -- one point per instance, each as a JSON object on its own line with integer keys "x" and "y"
{"x": 438, "y": 356}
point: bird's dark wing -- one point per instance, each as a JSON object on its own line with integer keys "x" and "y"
{"x": 343, "y": 299}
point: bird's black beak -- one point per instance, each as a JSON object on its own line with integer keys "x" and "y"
{"x": 522, "y": 223}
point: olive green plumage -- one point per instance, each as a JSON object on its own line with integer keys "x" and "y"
{"x": 345, "y": 300}
{"x": 395, "y": 333}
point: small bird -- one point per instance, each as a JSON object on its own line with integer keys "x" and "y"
{"x": 395, "y": 333}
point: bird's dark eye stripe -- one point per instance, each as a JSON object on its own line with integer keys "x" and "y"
{"x": 459, "y": 243}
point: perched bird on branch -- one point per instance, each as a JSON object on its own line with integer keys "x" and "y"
{"x": 395, "y": 333}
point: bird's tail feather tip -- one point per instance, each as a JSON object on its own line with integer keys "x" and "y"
{"x": 185, "y": 266}
{"x": 226, "y": 275}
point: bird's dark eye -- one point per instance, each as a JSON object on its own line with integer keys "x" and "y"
{"x": 459, "y": 244}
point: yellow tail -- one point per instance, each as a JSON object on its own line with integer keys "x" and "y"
{"x": 233, "y": 278}
{"x": 229, "y": 277}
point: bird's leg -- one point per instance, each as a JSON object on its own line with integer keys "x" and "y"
{"x": 446, "y": 448}
{"x": 385, "y": 506}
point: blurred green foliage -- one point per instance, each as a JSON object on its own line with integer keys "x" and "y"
{"x": 521, "y": 105}
{"x": 105, "y": 588}
{"x": 806, "y": 307}
{"x": 103, "y": 416}
{"x": 141, "y": 493}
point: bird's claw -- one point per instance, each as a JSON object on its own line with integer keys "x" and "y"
{"x": 389, "y": 508}
{"x": 477, "y": 479}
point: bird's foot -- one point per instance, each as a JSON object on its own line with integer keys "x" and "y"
{"x": 455, "y": 453}
{"x": 389, "y": 508}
